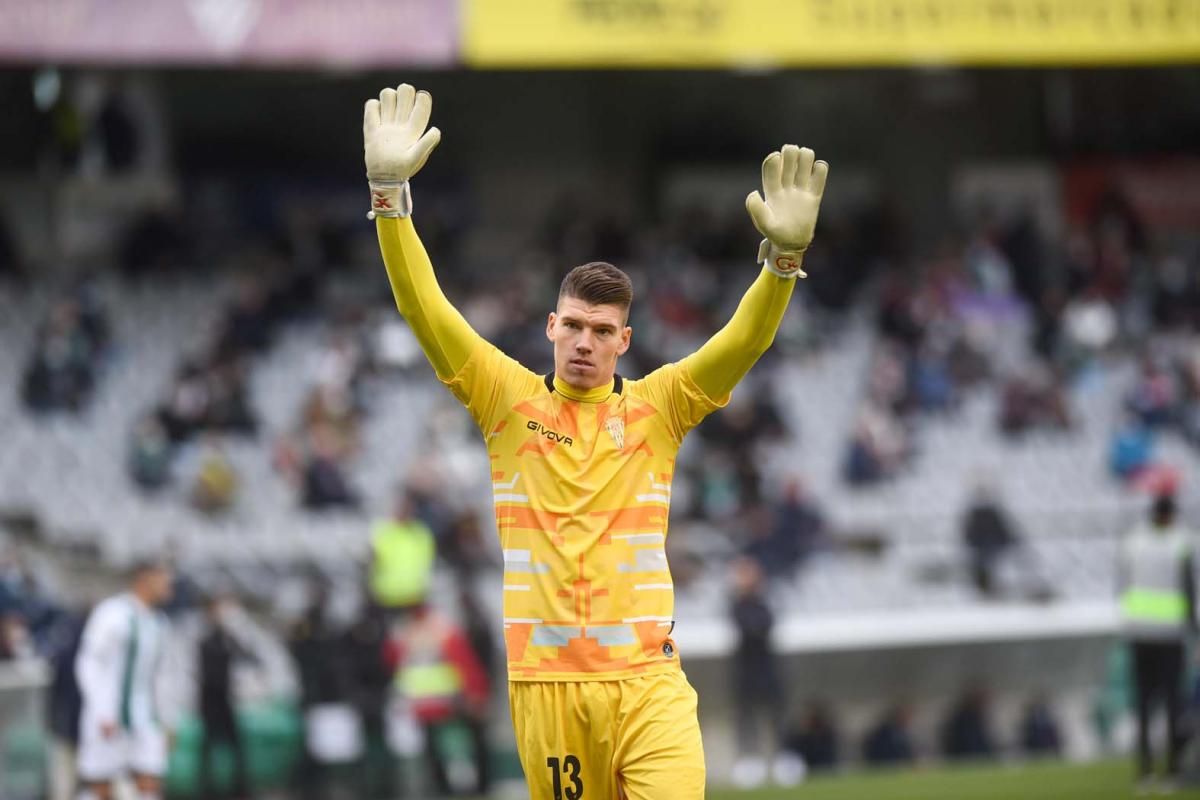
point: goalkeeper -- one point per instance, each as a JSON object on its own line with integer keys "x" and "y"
{"x": 582, "y": 461}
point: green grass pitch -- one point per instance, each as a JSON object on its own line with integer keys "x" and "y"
{"x": 1042, "y": 781}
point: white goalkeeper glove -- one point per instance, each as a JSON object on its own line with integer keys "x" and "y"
{"x": 396, "y": 146}
{"x": 792, "y": 186}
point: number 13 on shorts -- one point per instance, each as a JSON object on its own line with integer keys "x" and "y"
{"x": 636, "y": 739}
{"x": 565, "y": 777}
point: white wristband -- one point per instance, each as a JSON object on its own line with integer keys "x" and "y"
{"x": 390, "y": 199}
{"x": 784, "y": 263}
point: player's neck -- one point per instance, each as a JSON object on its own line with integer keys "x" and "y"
{"x": 596, "y": 394}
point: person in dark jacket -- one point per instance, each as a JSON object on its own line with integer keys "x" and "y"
{"x": 369, "y": 684}
{"x": 890, "y": 742}
{"x": 756, "y": 683}
{"x": 219, "y": 650}
{"x": 966, "y": 733}
{"x": 321, "y": 663}
{"x": 65, "y": 702}
{"x": 988, "y": 535}
{"x": 815, "y": 739}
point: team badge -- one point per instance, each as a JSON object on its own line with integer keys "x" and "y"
{"x": 616, "y": 429}
{"x": 668, "y": 649}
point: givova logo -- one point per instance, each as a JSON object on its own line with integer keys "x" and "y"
{"x": 542, "y": 430}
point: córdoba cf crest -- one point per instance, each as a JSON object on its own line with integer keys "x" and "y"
{"x": 616, "y": 429}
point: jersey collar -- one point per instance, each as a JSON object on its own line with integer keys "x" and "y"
{"x": 597, "y": 395}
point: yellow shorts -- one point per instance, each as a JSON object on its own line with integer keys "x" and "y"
{"x": 630, "y": 739}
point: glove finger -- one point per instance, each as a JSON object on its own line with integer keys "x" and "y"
{"x": 424, "y": 147}
{"x": 405, "y": 95}
{"x": 820, "y": 172}
{"x": 422, "y": 108}
{"x": 804, "y": 168}
{"x": 387, "y": 105}
{"x": 772, "y": 170}
{"x": 760, "y": 212}
{"x": 791, "y": 158}
{"x": 370, "y": 116}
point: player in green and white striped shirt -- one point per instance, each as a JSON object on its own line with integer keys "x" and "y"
{"x": 118, "y": 670}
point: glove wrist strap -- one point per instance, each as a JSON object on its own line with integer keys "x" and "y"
{"x": 783, "y": 261}
{"x": 390, "y": 199}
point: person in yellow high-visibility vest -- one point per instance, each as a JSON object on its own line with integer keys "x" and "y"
{"x": 442, "y": 680}
{"x": 402, "y": 556}
{"x": 1158, "y": 610}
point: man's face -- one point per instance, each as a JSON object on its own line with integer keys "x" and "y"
{"x": 587, "y": 341}
{"x": 156, "y": 585}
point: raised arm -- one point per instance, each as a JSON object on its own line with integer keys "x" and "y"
{"x": 396, "y": 146}
{"x": 792, "y": 185}
{"x": 447, "y": 339}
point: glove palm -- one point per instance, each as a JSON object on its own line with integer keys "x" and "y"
{"x": 793, "y": 185}
{"x": 396, "y": 145}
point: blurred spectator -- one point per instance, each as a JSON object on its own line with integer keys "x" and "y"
{"x": 27, "y": 601}
{"x": 901, "y": 317}
{"x": 1158, "y": 592}
{"x": 323, "y": 480}
{"x": 319, "y": 661}
{"x": 966, "y": 732}
{"x": 219, "y": 650}
{"x": 150, "y": 454}
{"x": 1131, "y": 450}
{"x": 442, "y": 680}
{"x": 1032, "y": 400}
{"x": 479, "y": 629}
{"x": 93, "y": 317}
{"x": 797, "y": 531}
{"x": 214, "y": 485}
{"x": 463, "y": 547}
{"x": 61, "y": 370}
{"x": 186, "y": 409}
{"x": 370, "y": 683}
{"x": 402, "y": 556}
{"x": 228, "y": 405}
{"x": 889, "y": 741}
{"x": 247, "y": 325}
{"x": 65, "y": 704}
{"x": 932, "y": 387}
{"x": 815, "y": 739}
{"x": 988, "y": 535}
{"x": 757, "y": 689}
{"x": 877, "y": 447}
{"x": 15, "y": 641}
{"x": 1154, "y": 397}
{"x": 330, "y": 408}
{"x": 1039, "y": 730}
{"x": 748, "y": 419}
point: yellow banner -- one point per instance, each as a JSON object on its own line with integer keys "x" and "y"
{"x": 749, "y": 33}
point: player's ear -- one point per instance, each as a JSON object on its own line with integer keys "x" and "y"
{"x": 626, "y": 336}
{"x": 550, "y": 326}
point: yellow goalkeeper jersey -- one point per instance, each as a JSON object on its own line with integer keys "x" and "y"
{"x": 581, "y": 479}
{"x": 582, "y": 489}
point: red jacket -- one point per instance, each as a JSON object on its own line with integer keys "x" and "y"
{"x": 430, "y": 634}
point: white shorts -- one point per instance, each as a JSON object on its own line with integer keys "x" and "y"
{"x": 142, "y": 751}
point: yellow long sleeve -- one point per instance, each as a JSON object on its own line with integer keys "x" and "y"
{"x": 445, "y": 336}
{"x": 726, "y": 358}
